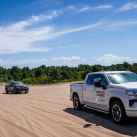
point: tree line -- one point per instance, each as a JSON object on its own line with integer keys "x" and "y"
{"x": 55, "y": 74}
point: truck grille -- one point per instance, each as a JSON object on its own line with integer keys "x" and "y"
{"x": 132, "y": 101}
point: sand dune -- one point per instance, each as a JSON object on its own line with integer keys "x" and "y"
{"x": 47, "y": 112}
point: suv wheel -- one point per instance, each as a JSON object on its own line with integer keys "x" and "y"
{"x": 76, "y": 103}
{"x": 118, "y": 112}
{"x": 7, "y": 92}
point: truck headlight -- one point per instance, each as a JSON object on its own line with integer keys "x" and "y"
{"x": 131, "y": 92}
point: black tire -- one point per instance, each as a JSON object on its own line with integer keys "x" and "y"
{"x": 7, "y": 92}
{"x": 118, "y": 112}
{"x": 16, "y": 91}
{"x": 76, "y": 103}
{"x": 26, "y": 92}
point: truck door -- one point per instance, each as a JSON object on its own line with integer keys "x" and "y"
{"x": 89, "y": 94}
{"x": 101, "y": 94}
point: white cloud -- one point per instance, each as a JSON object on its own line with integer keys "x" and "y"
{"x": 16, "y": 38}
{"x": 34, "y": 62}
{"x": 2, "y": 61}
{"x": 83, "y": 8}
{"x": 16, "y": 42}
{"x": 66, "y": 59}
{"x": 77, "y": 29}
{"x": 77, "y": 9}
{"x": 112, "y": 59}
{"x": 22, "y": 63}
{"x": 128, "y": 6}
{"x": 19, "y": 26}
{"x": 22, "y": 36}
{"x": 121, "y": 24}
{"x": 107, "y": 6}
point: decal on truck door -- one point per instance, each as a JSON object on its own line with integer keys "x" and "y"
{"x": 100, "y": 93}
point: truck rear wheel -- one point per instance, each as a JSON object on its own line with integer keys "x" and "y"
{"x": 118, "y": 112}
{"x": 76, "y": 103}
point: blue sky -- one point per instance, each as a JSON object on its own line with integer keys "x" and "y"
{"x": 67, "y": 32}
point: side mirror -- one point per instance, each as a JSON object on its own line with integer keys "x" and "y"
{"x": 104, "y": 86}
{"x": 97, "y": 82}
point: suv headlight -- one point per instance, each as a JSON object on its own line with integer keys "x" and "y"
{"x": 18, "y": 87}
{"x": 131, "y": 92}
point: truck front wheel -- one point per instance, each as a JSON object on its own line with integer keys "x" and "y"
{"x": 76, "y": 103}
{"x": 118, "y": 112}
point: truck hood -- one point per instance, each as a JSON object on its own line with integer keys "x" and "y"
{"x": 130, "y": 85}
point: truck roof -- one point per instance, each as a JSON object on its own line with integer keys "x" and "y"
{"x": 107, "y": 72}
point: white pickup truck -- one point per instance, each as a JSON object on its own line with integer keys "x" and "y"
{"x": 113, "y": 92}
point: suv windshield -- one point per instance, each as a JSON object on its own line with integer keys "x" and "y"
{"x": 16, "y": 83}
{"x": 118, "y": 78}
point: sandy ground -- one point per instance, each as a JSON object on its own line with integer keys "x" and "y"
{"x": 46, "y": 111}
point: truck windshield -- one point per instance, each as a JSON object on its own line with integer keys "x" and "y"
{"x": 118, "y": 78}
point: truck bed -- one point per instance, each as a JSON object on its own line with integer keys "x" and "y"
{"x": 77, "y": 88}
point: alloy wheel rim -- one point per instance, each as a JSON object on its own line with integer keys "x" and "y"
{"x": 75, "y": 102}
{"x": 116, "y": 113}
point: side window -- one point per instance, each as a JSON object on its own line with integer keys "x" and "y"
{"x": 11, "y": 83}
{"x": 90, "y": 79}
{"x": 103, "y": 79}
